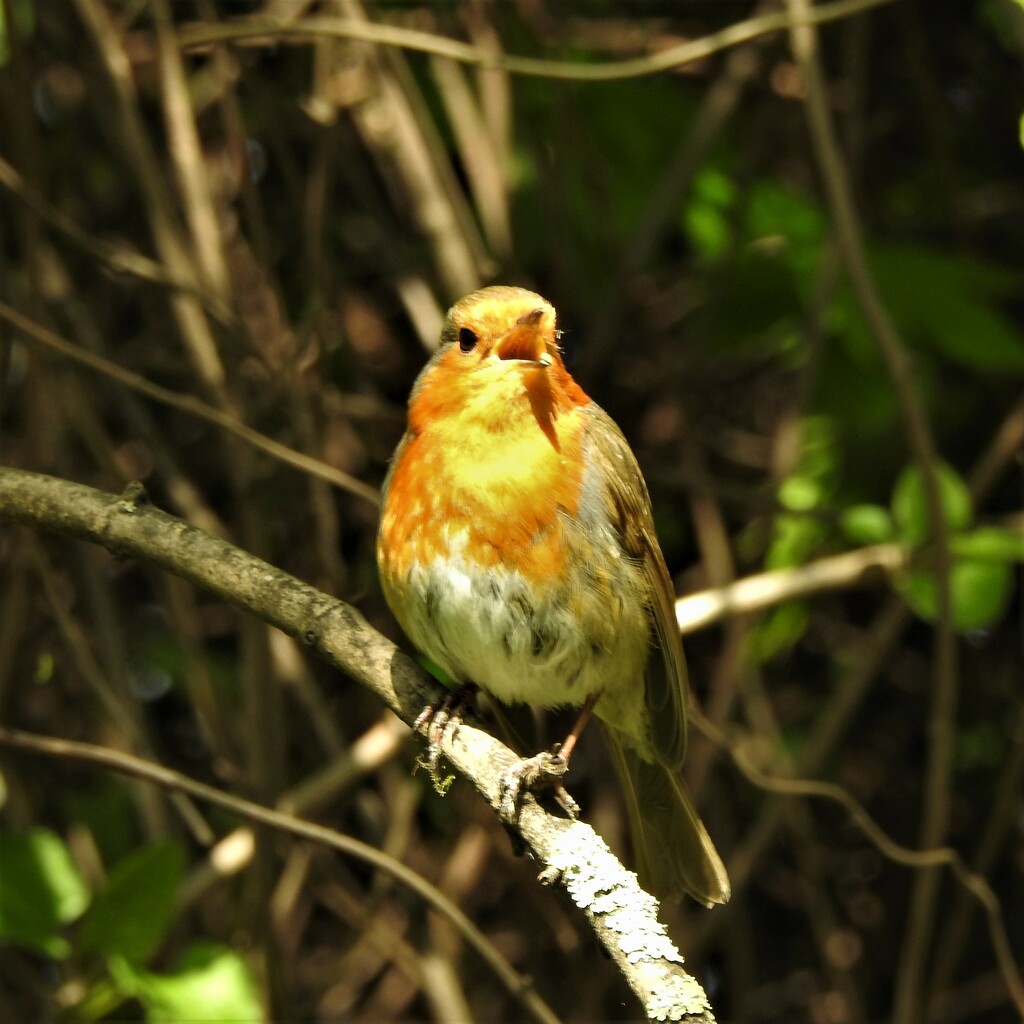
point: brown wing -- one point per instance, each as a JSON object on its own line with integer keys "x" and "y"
{"x": 630, "y": 507}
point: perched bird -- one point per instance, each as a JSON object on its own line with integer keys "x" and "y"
{"x": 517, "y": 550}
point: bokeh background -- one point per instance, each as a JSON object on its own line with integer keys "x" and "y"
{"x": 242, "y": 204}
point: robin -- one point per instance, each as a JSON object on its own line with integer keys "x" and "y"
{"x": 517, "y": 550}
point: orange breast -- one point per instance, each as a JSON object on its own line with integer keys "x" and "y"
{"x": 490, "y": 497}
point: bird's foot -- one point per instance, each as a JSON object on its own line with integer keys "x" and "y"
{"x": 435, "y": 720}
{"x": 543, "y": 771}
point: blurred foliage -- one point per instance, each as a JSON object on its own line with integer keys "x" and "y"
{"x": 122, "y": 925}
{"x": 324, "y": 202}
{"x": 42, "y": 891}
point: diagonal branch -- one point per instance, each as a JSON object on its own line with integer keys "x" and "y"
{"x": 39, "y": 335}
{"x": 570, "y": 853}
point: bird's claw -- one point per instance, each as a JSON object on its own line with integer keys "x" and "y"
{"x": 435, "y": 720}
{"x": 544, "y": 770}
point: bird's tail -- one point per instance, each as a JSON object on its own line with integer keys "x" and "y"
{"x": 673, "y": 850}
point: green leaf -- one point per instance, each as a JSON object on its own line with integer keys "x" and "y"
{"x": 781, "y": 629}
{"x": 800, "y": 493}
{"x": 40, "y": 890}
{"x": 910, "y": 510}
{"x": 990, "y": 544}
{"x": 211, "y": 983}
{"x": 130, "y": 915}
{"x": 437, "y": 672}
{"x": 945, "y": 301}
{"x": 796, "y": 538}
{"x": 706, "y": 217}
{"x": 979, "y": 593}
{"x": 867, "y": 524}
{"x": 942, "y": 302}
{"x": 709, "y": 230}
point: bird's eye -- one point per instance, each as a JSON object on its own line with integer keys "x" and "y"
{"x": 467, "y": 339}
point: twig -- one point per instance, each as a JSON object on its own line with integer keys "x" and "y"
{"x": 117, "y": 258}
{"x": 175, "y": 782}
{"x": 920, "y": 860}
{"x": 1007, "y": 443}
{"x": 186, "y": 152}
{"x": 486, "y": 174}
{"x": 192, "y": 322}
{"x": 191, "y": 405}
{"x": 235, "y": 851}
{"x": 1002, "y": 819}
{"x": 378, "y": 932}
{"x": 766, "y": 589}
{"x": 942, "y": 718}
{"x": 621, "y": 915}
{"x": 270, "y": 32}
{"x": 121, "y": 711}
{"x": 403, "y": 138}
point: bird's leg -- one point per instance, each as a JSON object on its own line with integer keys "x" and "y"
{"x": 564, "y": 750}
{"x": 437, "y": 719}
{"x": 546, "y": 769}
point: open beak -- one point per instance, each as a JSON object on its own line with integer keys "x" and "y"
{"x": 526, "y": 340}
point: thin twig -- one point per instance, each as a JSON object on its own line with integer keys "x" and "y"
{"x": 1002, "y": 819}
{"x": 402, "y": 136}
{"x": 192, "y": 322}
{"x": 186, "y": 152}
{"x": 942, "y": 718}
{"x": 117, "y": 258}
{"x": 767, "y": 589}
{"x": 191, "y": 405}
{"x": 486, "y": 174}
{"x": 919, "y": 860}
{"x": 271, "y": 32}
{"x": 518, "y": 985}
{"x": 235, "y": 851}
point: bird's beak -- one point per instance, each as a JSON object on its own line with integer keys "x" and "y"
{"x": 526, "y": 340}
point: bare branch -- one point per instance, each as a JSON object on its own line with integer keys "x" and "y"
{"x": 270, "y": 31}
{"x": 766, "y": 589}
{"x": 570, "y": 853}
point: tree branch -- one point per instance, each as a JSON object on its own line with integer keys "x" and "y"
{"x": 262, "y": 31}
{"x": 570, "y": 853}
{"x": 767, "y": 589}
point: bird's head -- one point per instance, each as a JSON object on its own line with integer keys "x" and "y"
{"x": 498, "y": 356}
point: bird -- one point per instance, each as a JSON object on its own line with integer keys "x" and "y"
{"x": 517, "y": 550}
